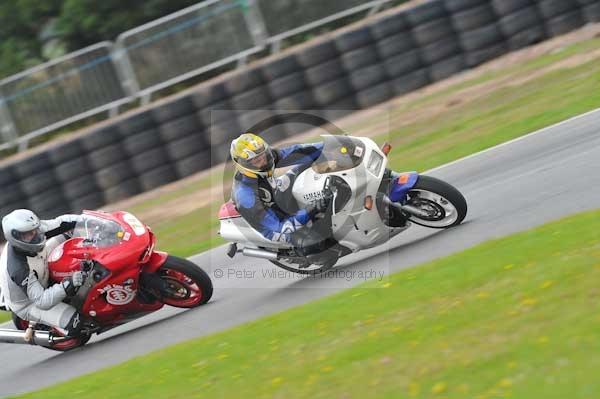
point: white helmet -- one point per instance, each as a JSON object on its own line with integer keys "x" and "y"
{"x": 22, "y": 229}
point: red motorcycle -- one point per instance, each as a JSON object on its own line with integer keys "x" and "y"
{"x": 126, "y": 278}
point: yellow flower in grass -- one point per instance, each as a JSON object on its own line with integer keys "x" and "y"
{"x": 276, "y": 381}
{"x": 413, "y": 389}
{"x": 438, "y": 388}
{"x": 505, "y": 383}
{"x": 528, "y": 301}
{"x": 546, "y": 284}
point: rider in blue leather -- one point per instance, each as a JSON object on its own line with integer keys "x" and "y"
{"x": 255, "y": 188}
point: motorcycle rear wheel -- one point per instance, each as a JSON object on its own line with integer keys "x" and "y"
{"x": 187, "y": 284}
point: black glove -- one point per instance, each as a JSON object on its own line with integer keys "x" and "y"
{"x": 72, "y": 283}
{"x": 318, "y": 206}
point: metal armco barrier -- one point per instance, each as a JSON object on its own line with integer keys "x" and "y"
{"x": 356, "y": 67}
{"x": 54, "y": 94}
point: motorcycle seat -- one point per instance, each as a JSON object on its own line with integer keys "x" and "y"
{"x": 228, "y": 210}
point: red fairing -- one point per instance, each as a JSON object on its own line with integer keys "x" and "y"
{"x": 157, "y": 259}
{"x": 113, "y": 299}
{"x": 228, "y": 211}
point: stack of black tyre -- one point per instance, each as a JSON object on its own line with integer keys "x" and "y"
{"x": 359, "y": 66}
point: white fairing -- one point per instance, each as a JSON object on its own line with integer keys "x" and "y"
{"x": 354, "y": 226}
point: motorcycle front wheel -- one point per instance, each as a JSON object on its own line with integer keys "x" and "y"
{"x": 443, "y": 205}
{"x": 186, "y": 284}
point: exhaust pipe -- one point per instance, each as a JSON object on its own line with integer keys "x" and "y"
{"x": 41, "y": 338}
{"x": 259, "y": 253}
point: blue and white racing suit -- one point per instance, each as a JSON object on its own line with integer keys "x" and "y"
{"x": 255, "y": 197}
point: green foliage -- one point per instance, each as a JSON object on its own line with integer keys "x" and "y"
{"x": 79, "y": 23}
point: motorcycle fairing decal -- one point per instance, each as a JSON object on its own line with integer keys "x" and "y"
{"x": 401, "y": 185}
{"x": 118, "y": 294}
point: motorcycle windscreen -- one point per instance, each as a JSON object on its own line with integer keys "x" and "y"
{"x": 339, "y": 153}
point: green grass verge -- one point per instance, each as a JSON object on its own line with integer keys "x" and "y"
{"x": 4, "y": 316}
{"x": 461, "y": 129}
{"x": 515, "y": 317}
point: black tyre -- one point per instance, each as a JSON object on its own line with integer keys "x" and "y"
{"x": 186, "y": 146}
{"x": 287, "y": 85}
{"x": 255, "y": 98}
{"x": 11, "y": 194}
{"x": 243, "y": 81}
{"x": 142, "y": 141}
{"x": 389, "y": 25}
{"x": 445, "y": 204}
{"x": 106, "y": 156}
{"x": 217, "y": 112}
{"x": 374, "y": 95}
{"x": 395, "y": 44}
{"x": 433, "y": 31}
{"x": 478, "y": 57}
{"x": 459, "y": 5}
{"x": 101, "y": 137}
{"x": 324, "y": 72}
{"x": 317, "y": 54}
{"x": 564, "y": 23}
{"x": 526, "y": 38}
{"x": 72, "y": 169}
{"x": 279, "y": 67}
{"x": 591, "y": 13}
{"x": 123, "y": 190}
{"x": 303, "y": 100}
{"x": 519, "y": 21}
{"x": 473, "y": 18}
{"x": 149, "y": 160}
{"x": 174, "y": 109}
{"x": 353, "y": 39}
{"x": 188, "y": 285}
{"x": 553, "y": 8}
{"x": 80, "y": 187}
{"x": 137, "y": 123}
{"x": 157, "y": 177}
{"x": 193, "y": 164}
{"x": 410, "y": 82}
{"x": 329, "y": 93}
{"x": 8, "y": 175}
{"x": 401, "y": 64}
{"x": 180, "y": 127}
{"x": 359, "y": 58}
{"x": 425, "y": 12}
{"x": 66, "y": 151}
{"x": 89, "y": 201}
{"x": 34, "y": 164}
{"x": 366, "y": 77}
{"x": 446, "y": 68}
{"x": 505, "y": 7}
{"x": 39, "y": 182}
{"x": 480, "y": 38}
{"x": 435, "y": 52}
{"x": 208, "y": 94}
{"x": 114, "y": 174}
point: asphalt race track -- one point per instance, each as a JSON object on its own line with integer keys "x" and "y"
{"x": 512, "y": 187}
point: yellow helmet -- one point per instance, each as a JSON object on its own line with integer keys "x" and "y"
{"x": 252, "y": 156}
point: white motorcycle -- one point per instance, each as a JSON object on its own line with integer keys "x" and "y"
{"x": 369, "y": 204}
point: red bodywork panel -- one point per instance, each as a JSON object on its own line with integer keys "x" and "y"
{"x": 113, "y": 300}
{"x": 228, "y": 211}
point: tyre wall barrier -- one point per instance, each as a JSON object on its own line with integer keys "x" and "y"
{"x": 387, "y": 55}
